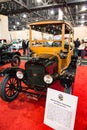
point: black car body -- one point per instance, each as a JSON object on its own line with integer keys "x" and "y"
{"x": 6, "y": 56}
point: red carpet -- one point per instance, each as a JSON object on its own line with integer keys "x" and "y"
{"x": 80, "y": 90}
{"x": 26, "y": 114}
{"x": 22, "y": 114}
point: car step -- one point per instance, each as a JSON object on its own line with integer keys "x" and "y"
{"x": 33, "y": 96}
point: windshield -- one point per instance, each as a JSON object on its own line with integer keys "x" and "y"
{"x": 47, "y": 35}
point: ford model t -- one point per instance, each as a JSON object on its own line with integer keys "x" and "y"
{"x": 51, "y": 53}
{"x": 6, "y": 56}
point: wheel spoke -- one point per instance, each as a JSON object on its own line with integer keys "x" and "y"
{"x": 10, "y": 92}
{"x": 15, "y": 82}
{"x": 13, "y": 79}
{"x": 10, "y": 81}
{"x": 7, "y": 89}
{"x": 7, "y": 86}
{"x": 13, "y": 91}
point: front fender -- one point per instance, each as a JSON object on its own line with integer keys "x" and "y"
{"x": 11, "y": 71}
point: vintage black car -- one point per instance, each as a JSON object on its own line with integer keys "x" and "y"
{"x": 51, "y": 55}
{"x": 6, "y": 56}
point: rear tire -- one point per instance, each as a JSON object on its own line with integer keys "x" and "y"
{"x": 15, "y": 61}
{"x": 9, "y": 88}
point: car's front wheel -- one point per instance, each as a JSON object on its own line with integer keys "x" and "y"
{"x": 15, "y": 61}
{"x": 9, "y": 88}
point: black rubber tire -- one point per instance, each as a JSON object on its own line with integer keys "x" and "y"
{"x": 15, "y": 61}
{"x": 5, "y": 87}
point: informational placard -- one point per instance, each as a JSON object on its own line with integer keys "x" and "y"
{"x": 60, "y": 110}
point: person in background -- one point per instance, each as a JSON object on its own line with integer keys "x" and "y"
{"x": 66, "y": 43}
{"x": 27, "y": 46}
{"x": 82, "y": 48}
{"x": 24, "y": 47}
{"x": 76, "y": 45}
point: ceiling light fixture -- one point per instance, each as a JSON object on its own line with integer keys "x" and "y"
{"x": 83, "y": 8}
{"x": 39, "y": 1}
{"x": 52, "y": 12}
{"x": 24, "y": 15}
{"x": 14, "y": 26}
{"x": 82, "y": 22}
{"x": 83, "y": 17}
{"x": 23, "y": 28}
{"x": 17, "y": 23}
{"x": 60, "y": 16}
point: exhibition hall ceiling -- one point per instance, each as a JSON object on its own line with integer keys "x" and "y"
{"x": 22, "y": 12}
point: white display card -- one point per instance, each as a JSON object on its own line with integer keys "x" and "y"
{"x": 60, "y": 110}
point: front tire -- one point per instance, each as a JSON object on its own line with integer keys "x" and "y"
{"x": 9, "y": 88}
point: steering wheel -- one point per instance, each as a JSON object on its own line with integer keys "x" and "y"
{"x": 56, "y": 44}
{"x": 46, "y": 44}
{"x": 66, "y": 46}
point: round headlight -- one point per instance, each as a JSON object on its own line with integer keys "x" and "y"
{"x": 19, "y": 74}
{"x": 48, "y": 79}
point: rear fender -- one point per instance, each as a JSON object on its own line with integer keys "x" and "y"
{"x": 15, "y": 53}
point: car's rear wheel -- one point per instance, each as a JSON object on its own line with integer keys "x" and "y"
{"x": 15, "y": 61}
{"x": 9, "y": 88}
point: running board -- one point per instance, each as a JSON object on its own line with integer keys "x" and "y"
{"x": 33, "y": 96}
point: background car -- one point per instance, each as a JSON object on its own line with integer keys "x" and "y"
{"x": 6, "y": 56}
{"x": 16, "y": 44}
